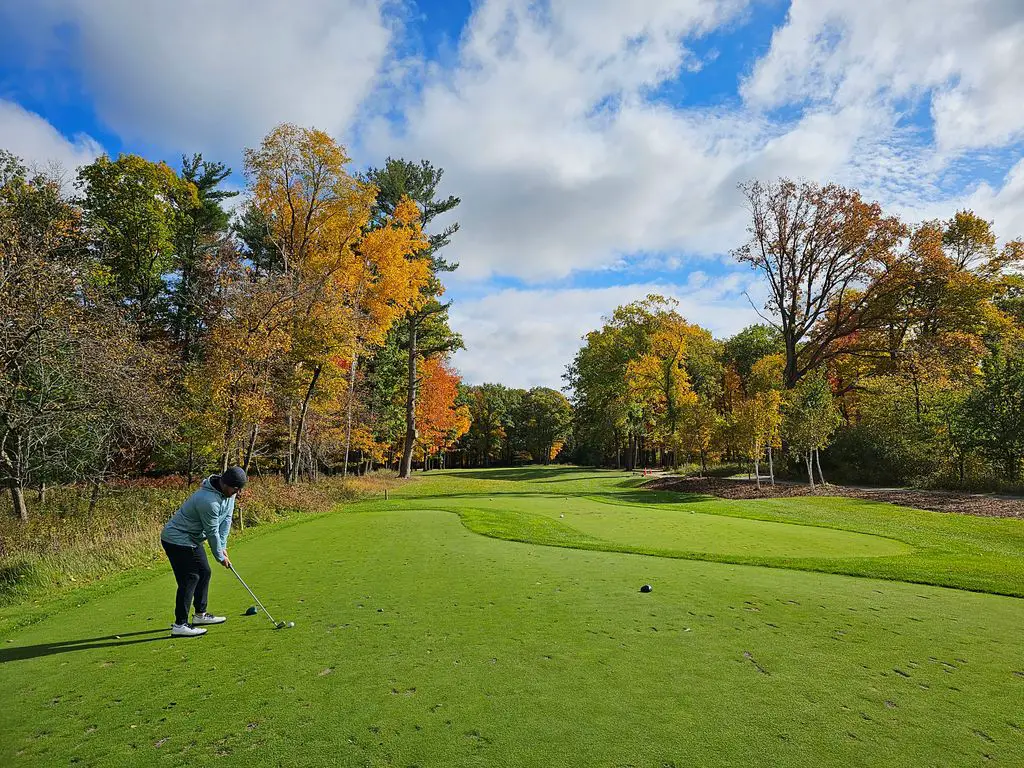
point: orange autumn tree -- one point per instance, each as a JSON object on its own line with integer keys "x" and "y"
{"x": 439, "y": 420}
{"x": 347, "y": 285}
{"x": 383, "y": 282}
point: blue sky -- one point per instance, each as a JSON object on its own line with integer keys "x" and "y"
{"x": 596, "y": 144}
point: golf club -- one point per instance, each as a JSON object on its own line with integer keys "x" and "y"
{"x": 277, "y": 624}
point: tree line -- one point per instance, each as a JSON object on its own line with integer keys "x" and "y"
{"x": 898, "y": 347}
{"x": 146, "y": 329}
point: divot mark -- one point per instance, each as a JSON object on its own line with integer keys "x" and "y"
{"x": 749, "y": 657}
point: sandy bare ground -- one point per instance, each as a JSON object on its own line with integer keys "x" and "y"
{"x": 980, "y": 504}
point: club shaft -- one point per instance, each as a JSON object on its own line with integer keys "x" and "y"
{"x": 253, "y": 595}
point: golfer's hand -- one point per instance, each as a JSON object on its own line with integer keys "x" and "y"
{"x": 226, "y": 562}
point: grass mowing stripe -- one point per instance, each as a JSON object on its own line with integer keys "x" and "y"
{"x": 749, "y": 514}
{"x": 956, "y": 551}
{"x": 527, "y": 528}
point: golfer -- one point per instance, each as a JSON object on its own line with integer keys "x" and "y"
{"x": 205, "y": 515}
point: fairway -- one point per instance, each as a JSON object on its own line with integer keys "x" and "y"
{"x": 421, "y": 642}
{"x": 689, "y": 530}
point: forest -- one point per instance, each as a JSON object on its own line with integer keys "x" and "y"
{"x": 152, "y": 325}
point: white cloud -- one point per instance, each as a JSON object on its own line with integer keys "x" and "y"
{"x": 216, "y": 76}
{"x": 39, "y": 144}
{"x": 964, "y": 56}
{"x": 1004, "y": 205}
{"x": 564, "y": 163}
{"x": 560, "y": 161}
{"x": 525, "y": 338}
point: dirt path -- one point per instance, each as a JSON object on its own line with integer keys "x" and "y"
{"x": 980, "y": 504}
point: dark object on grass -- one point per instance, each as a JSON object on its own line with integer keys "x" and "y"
{"x": 251, "y": 610}
{"x": 646, "y": 588}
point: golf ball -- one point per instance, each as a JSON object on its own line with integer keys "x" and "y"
{"x": 291, "y": 623}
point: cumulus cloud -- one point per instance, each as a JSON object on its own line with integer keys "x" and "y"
{"x": 215, "y": 76}
{"x": 561, "y": 159}
{"x": 963, "y": 57}
{"x": 565, "y": 163}
{"x": 39, "y": 144}
{"x": 525, "y": 338}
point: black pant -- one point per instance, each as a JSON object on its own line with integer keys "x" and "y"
{"x": 192, "y": 572}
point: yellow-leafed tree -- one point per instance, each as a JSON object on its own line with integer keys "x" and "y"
{"x": 346, "y": 285}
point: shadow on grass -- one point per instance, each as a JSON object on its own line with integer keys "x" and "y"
{"x": 19, "y": 653}
{"x": 644, "y": 498}
{"x": 537, "y": 474}
{"x": 651, "y": 498}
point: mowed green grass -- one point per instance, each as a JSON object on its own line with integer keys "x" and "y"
{"x": 606, "y": 511}
{"x": 420, "y": 642}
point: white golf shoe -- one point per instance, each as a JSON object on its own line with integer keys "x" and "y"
{"x": 208, "y": 618}
{"x": 186, "y": 630}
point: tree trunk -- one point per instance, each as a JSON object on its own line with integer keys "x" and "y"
{"x": 790, "y": 373}
{"x": 238, "y": 517}
{"x": 810, "y": 471}
{"x": 42, "y": 493}
{"x": 191, "y": 461}
{"x": 771, "y": 467}
{"x": 251, "y": 448}
{"x": 288, "y": 458}
{"x": 917, "y": 398}
{"x": 348, "y": 416}
{"x": 817, "y": 460}
{"x": 757, "y": 467}
{"x": 228, "y": 434}
{"x": 410, "y": 408}
{"x": 18, "y": 497}
{"x": 302, "y": 422}
{"x": 94, "y": 498}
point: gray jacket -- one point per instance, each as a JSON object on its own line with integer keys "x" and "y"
{"x": 205, "y": 516}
